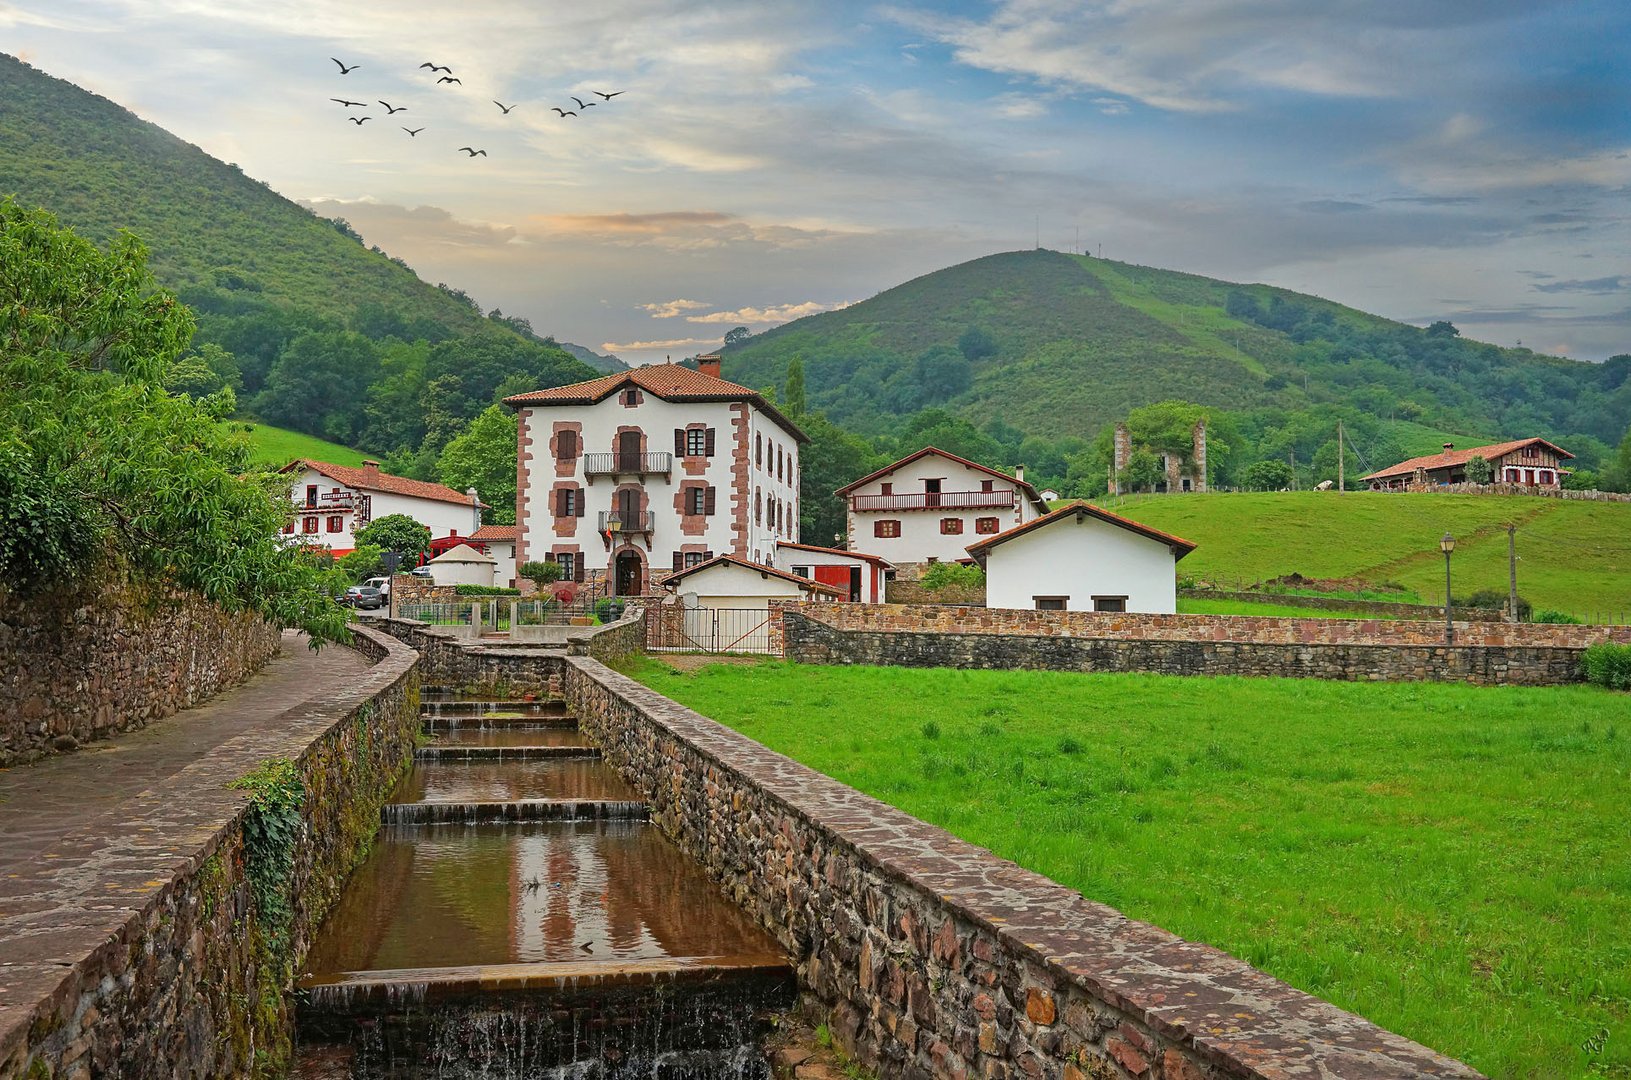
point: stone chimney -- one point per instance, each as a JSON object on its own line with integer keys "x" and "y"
{"x": 475, "y": 510}
{"x": 370, "y": 471}
{"x": 1198, "y": 455}
{"x": 708, "y": 364}
{"x": 1119, "y": 455}
{"x": 1019, "y": 473}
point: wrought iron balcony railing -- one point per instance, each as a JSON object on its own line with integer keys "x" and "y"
{"x": 614, "y": 521}
{"x": 934, "y": 500}
{"x": 627, "y": 464}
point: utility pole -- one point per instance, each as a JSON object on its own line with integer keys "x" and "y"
{"x": 1293, "y": 468}
{"x": 1512, "y": 571}
{"x": 1342, "y": 470}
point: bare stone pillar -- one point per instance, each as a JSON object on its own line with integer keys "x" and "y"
{"x": 1198, "y": 456}
{"x": 1175, "y": 482}
{"x": 1121, "y": 452}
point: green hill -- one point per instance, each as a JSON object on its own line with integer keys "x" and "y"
{"x": 1573, "y": 556}
{"x": 223, "y": 241}
{"x": 279, "y": 446}
{"x": 1061, "y": 345}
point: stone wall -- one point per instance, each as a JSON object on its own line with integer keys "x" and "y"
{"x": 937, "y": 959}
{"x": 448, "y": 659}
{"x": 890, "y": 634}
{"x": 187, "y": 985}
{"x": 78, "y": 668}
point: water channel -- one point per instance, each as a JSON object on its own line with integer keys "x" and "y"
{"x": 519, "y": 917}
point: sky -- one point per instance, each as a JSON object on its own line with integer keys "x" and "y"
{"x": 762, "y": 160}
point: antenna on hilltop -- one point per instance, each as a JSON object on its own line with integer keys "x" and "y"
{"x": 1039, "y": 232}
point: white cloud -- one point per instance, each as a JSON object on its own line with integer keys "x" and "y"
{"x": 648, "y": 346}
{"x": 670, "y": 309}
{"x": 776, "y": 313}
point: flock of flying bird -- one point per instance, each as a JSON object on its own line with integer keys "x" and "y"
{"x": 447, "y": 77}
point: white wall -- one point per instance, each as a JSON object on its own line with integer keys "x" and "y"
{"x": 1080, "y": 561}
{"x": 462, "y": 573}
{"x": 921, "y": 539}
{"x": 874, "y": 588}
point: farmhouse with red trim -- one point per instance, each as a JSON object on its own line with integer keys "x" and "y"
{"x": 1525, "y": 462}
{"x": 332, "y": 501}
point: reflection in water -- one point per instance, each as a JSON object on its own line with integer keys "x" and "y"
{"x": 507, "y": 781}
{"x": 457, "y": 896}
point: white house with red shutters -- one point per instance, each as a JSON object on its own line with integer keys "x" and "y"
{"x": 861, "y": 577}
{"x": 1525, "y": 462}
{"x": 643, "y": 473}
{"x": 928, "y": 506}
{"x": 332, "y": 501}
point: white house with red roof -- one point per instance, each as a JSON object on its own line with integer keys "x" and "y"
{"x": 499, "y": 542}
{"x": 862, "y": 577}
{"x": 332, "y": 501}
{"x": 1082, "y": 558}
{"x": 928, "y": 506}
{"x": 1525, "y": 462}
{"x": 650, "y": 471}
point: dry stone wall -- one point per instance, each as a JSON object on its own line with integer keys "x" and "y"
{"x": 937, "y": 959}
{"x": 83, "y": 667}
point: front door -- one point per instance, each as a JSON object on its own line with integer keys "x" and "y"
{"x": 931, "y": 491}
{"x": 628, "y": 574}
{"x": 628, "y": 509}
{"x": 628, "y": 452}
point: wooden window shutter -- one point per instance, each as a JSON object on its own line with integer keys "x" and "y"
{"x": 679, "y": 442}
{"x": 679, "y": 561}
{"x": 706, "y": 555}
{"x": 578, "y": 503}
{"x": 568, "y": 442}
{"x": 560, "y": 503}
{"x": 577, "y": 568}
{"x": 708, "y": 442}
{"x": 708, "y": 498}
{"x": 877, "y": 529}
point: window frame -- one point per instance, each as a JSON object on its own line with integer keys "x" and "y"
{"x": 308, "y": 525}
{"x": 886, "y": 528}
{"x": 951, "y": 526}
{"x": 1121, "y": 600}
{"x": 696, "y": 442}
{"x": 987, "y": 526}
{"x": 1051, "y": 603}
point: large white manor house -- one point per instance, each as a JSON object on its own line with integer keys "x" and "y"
{"x": 649, "y": 471}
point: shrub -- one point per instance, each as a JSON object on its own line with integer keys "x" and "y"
{"x": 1559, "y": 617}
{"x": 485, "y": 590}
{"x": 608, "y": 609}
{"x": 954, "y": 575}
{"x": 541, "y": 573}
{"x": 1608, "y": 664}
{"x": 1493, "y": 600}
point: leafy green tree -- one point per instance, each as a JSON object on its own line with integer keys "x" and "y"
{"x": 1142, "y": 471}
{"x": 976, "y": 345}
{"x": 483, "y": 457}
{"x": 1616, "y": 474}
{"x": 541, "y": 573}
{"x": 1267, "y": 476}
{"x": 832, "y": 458}
{"x": 948, "y": 432}
{"x": 795, "y": 387}
{"x": 1479, "y": 471}
{"x": 361, "y": 562}
{"x": 736, "y": 335}
{"x": 396, "y": 532}
{"x": 319, "y": 384}
{"x": 942, "y": 373}
{"x": 149, "y": 486}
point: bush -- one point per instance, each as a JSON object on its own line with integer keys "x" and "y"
{"x": 1493, "y": 600}
{"x": 1609, "y": 665}
{"x": 485, "y": 590}
{"x": 541, "y": 573}
{"x": 955, "y": 575}
{"x": 1558, "y": 617}
{"x": 608, "y": 609}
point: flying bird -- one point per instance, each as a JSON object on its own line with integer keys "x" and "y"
{"x": 581, "y": 105}
{"x": 472, "y": 152}
{"x": 449, "y": 78}
{"x": 346, "y": 70}
{"x": 393, "y": 109}
{"x": 608, "y": 97}
{"x": 505, "y": 107}
{"x": 413, "y": 131}
{"x": 349, "y": 104}
{"x": 360, "y": 120}
{"x": 436, "y": 67}
{"x": 564, "y": 112}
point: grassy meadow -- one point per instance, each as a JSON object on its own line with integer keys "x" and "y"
{"x": 278, "y": 446}
{"x": 1572, "y": 556}
{"x": 1453, "y": 862}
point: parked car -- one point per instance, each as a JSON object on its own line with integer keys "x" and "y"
{"x": 365, "y": 597}
{"x": 383, "y": 584}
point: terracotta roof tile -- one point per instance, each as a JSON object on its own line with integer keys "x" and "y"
{"x": 671, "y": 382}
{"x": 1179, "y": 545}
{"x": 879, "y": 559}
{"x": 369, "y": 480}
{"x": 1023, "y": 485}
{"x": 813, "y": 586}
{"x": 1445, "y": 459}
{"x": 496, "y": 532}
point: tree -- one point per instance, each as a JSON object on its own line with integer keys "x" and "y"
{"x": 1142, "y": 471}
{"x": 976, "y": 344}
{"x": 484, "y": 458}
{"x": 541, "y": 573}
{"x": 1267, "y": 476}
{"x": 319, "y": 384}
{"x": 1479, "y": 470}
{"x": 736, "y": 335}
{"x": 1616, "y": 473}
{"x": 795, "y": 387}
{"x": 396, "y": 532}
{"x": 832, "y": 458}
{"x": 943, "y": 373}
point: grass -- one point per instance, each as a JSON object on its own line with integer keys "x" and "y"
{"x": 279, "y": 446}
{"x": 1573, "y": 556}
{"x": 1252, "y": 607}
{"x": 1452, "y": 862}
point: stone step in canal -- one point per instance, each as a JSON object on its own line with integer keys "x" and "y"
{"x": 519, "y": 917}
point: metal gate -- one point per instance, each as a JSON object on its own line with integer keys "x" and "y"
{"x": 712, "y": 630}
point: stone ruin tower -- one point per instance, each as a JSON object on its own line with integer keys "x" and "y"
{"x": 1177, "y": 478}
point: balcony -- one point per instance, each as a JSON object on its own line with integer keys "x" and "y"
{"x": 934, "y": 500}
{"x": 336, "y": 502}
{"x": 614, "y": 522}
{"x": 615, "y": 465}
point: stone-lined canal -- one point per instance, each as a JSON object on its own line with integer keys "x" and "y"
{"x": 518, "y": 916}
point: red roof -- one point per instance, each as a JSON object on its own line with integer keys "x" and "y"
{"x": 765, "y": 571}
{"x": 1023, "y": 485}
{"x": 1446, "y": 459}
{"x": 1180, "y": 547}
{"x": 880, "y": 560}
{"x": 671, "y": 382}
{"x": 374, "y": 480}
{"x": 500, "y": 533}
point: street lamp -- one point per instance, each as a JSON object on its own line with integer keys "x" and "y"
{"x": 1447, "y": 545}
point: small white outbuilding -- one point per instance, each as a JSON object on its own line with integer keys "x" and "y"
{"x": 463, "y": 565}
{"x": 1082, "y": 558}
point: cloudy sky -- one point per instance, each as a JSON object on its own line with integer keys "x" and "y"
{"x": 1423, "y": 159}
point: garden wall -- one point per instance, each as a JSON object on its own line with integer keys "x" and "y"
{"x": 193, "y": 982}
{"x": 892, "y": 634}
{"x": 83, "y": 667}
{"x": 937, "y": 959}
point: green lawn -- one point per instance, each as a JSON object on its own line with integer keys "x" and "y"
{"x": 1452, "y": 862}
{"x": 1573, "y": 556}
{"x": 1252, "y": 607}
{"x": 279, "y": 446}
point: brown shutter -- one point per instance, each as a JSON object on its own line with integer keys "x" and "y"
{"x": 708, "y": 446}
{"x": 708, "y": 497}
{"x": 560, "y": 503}
{"x": 568, "y": 443}
{"x": 679, "y": 442}
{"x": 706, "y": 555}
{"x": 577, "y": 568}
{"x": 578, "y": 505}
{"x": 679, "y": 561}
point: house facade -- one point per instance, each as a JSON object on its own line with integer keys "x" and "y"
{"x": 862, "y": 577}
{"x": 331, "y": 502}
{"x": 644, "y": 473}
{"x": 928, "y": 506}
{"x": 1082, "y": 558}
{"x": 1523, "y": 462}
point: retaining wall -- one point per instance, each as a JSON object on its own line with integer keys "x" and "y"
{"x": 938, "y": 959}
{"x": 187, "y": 985}
{"x": 890, "y": 634}
{"x": 74, "y": 668}
{"x": 495, "y": 666}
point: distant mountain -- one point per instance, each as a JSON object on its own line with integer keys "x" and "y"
{"x": 1057, "y": 344}
{"x": 603, "y": 363}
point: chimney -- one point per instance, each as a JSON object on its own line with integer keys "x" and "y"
{"x": 1019, "y": 473}
{"x": 475, "y": 510}
{"x": 1448, "y": 447}
{"x": 708, "y": 364}
{"x": 370, "y": 471}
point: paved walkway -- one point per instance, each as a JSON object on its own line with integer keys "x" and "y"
{"x": 85, "y": 838}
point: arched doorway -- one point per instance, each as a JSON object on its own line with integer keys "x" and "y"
{"x": 628, "y": 573}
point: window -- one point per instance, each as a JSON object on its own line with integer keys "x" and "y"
{"x": 309, "y": 525}
{"x": 778, "y": 463}
{"x": 695, "y": 499}
{"x": 985, "y": 525}
{"x": 695, "y": 558}
{"x": 951, "y": 526}
{"x": 567, "y": 444}
{"x": 1546, "y": 476}
{"x": 758, "y": 507}
{"x": 631, "y": 398}
{"x": 336, "y": 523}
{"x": 887, "y": 488}
{"x": 568, "y": 502}
{"x": 311, "y": 494}
{"x": 1050, "y": 603}
{"x": 804, "y": 572}
{"x": 289, "y": 528}
{"x": 985, "y": 485}
{"x": 567, "y": 560}
{"x": 1109, "y": 603}
{"x": 696, "y": 442}
{"x": 886, "y": 528}
{"x": 759, "y": 450}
